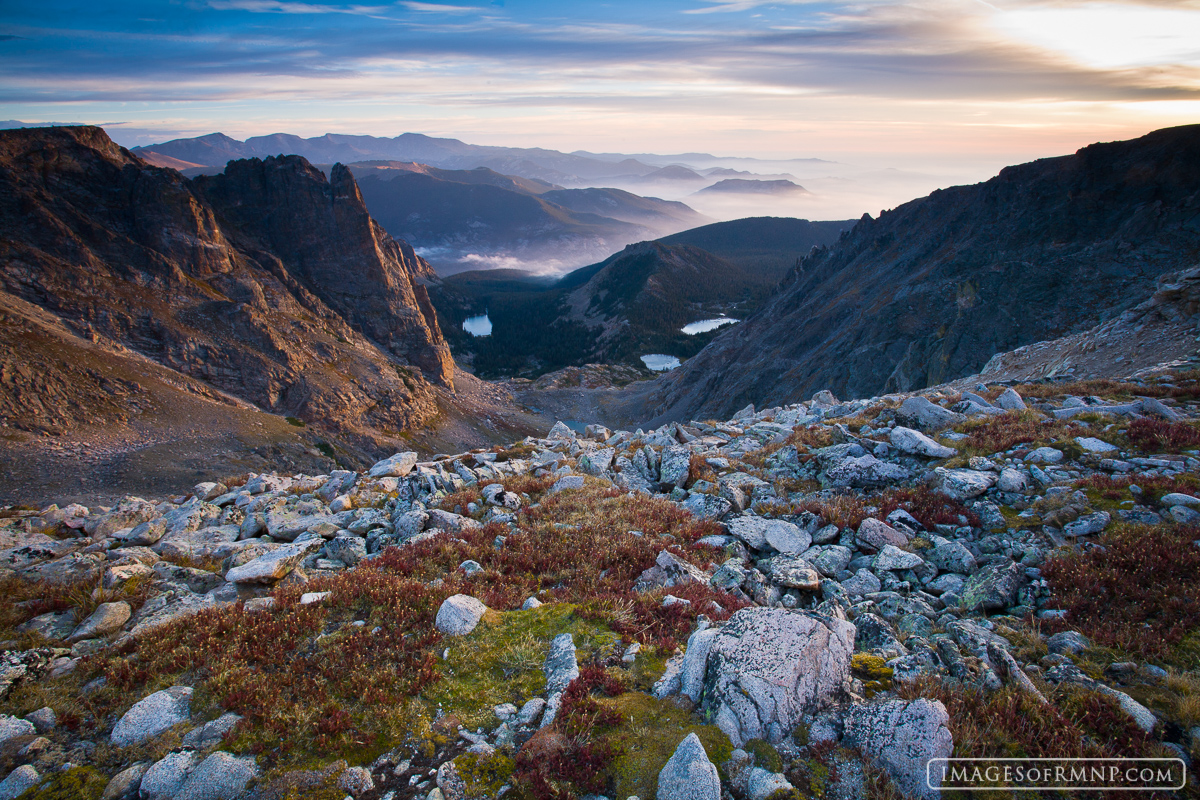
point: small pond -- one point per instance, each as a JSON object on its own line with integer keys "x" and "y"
{"x": 657, "y": 362}
{"x": 706, "y": 325}
{"x": 478, "y": 325}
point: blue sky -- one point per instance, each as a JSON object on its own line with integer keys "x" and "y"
{"x": 919, "y": 82}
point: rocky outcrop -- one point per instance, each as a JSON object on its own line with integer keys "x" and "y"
{"x": 270, "y": 284}
{"x": 933, "y": 289}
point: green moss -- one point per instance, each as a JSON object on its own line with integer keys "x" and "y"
{"x": 647, "y": 738}
{"x": 501, "y": 660}
{"x": 873, "y": 671}
{"x": 800, "y": 735}
{"x": 765, "y": 755}
{"x": 484, "y": 776}
{"x": 299, "y": 423}
{"x": 78, "y": 783}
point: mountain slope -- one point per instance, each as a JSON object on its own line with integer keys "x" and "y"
{"x": 268, "y": 283}
{"x": 764, "y": 244}
{"x": 931, "y": 290}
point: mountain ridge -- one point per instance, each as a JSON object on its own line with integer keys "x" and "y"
{"x": 932, "y": 289}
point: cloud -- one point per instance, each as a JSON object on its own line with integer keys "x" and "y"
{"x": 442, "y": 9}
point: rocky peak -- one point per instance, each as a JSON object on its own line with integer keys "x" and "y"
{"x": 328, "y": 241}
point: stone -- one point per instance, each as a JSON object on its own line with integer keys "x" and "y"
{"x": 673, "y": 469}
{"x": 52, "y": 625}
{"x": 688, "y": 774}
{"x": 459, "y": 614}
{"x": 1088, "y": 525}
{"x": 12, "y": 727}
{"x": 873, "y": 535}
{"x": 274, "y": 565}
{"x": 596, "y": 462}
{"x": 221, "y": 776}
{"x": 669, "y": 570}
{"x": 833, "y": 560}
{"x": 566, "y": 482}
{"x": 396, "y": 466}
{"x": 787, "y": 537}
{"x": 864, "y": 472}
{"x": 950, "y": 556}
{"x": 19, "y": 781}
{"x": 706, "y": 506}
{"x": 356, "y": 780}
{"x": 560, "y": 431}
{"x": 165, "y": 777}
{"x": 347, "y": 549}
{"x": 124, "y": 785}
{"x": 920, "y": 413}
{"x": 1010, "y": 400}
{"x": 447, "y": 521}
{"x": 913, "y": 442}
{"x": 1179, "y": 499}
{"x": 106, "y": 619}
{"x": 530, "y": 712}
{"x": 963, "y": 484}
{"x": 861, "y": 583}
{"x": 121, "y": 574}
{"x": 1013, "y": 480}
{"x": 902, "y": 737}
{"x": 794, "y": 572}
{"x": 1184, "y": 515}
{"x": 1044, "y": 455}
{"x": 210, "y": 734}
{"x": 994, "y": 587}
{"x": 152, "y": 715}
{"x": 768, "y": 667}
{"x": 695, "y": 661}
{"x": 44, "y": 719}
{"x": 1090, "y": 444}
{"x": 1068, "y": 643}
{"x": 891, "y": 557}
{"x": 560, "y": 669}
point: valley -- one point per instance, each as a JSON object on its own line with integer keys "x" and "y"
{"x": 299, "y": 501}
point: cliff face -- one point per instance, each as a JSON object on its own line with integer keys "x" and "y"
{"x": 270, "y": 283}
{"x": 931, "y": 290}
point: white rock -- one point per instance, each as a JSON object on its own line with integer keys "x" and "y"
{"x": 1091, "y": 444}
{"x": 12, "y": 727}
{"x": 916, "y": 443}
{"x": 1010, "y": 400}
{"x": 561, "y": 667}
{"x": 274, "y": 565}
{"x": 902, "y": 737}
{"x": 107, "y": 618}
{"x": 695, "y": 661}
{"x": 166, "y": 777}
{"x": 221, "y": 776}
{"x": 767, "y": 667}
{"x": 459, "y": 615}
{"x": 689, "y": 775}
{"x": 19, "y": 781}
{"x": 396, "y": 466}
{"x": 1013, "y": 480}
{"x": 125, "y": 783}
{"x": 152, "y": 715}
{"x": 1180, "y": 499}
{"x": 963, "y": 484}
{"x": 1044, "y": 455}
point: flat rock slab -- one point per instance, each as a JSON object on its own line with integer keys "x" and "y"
{"x": 152, "y": 715}
{"x": 396, "y": 466}
{"x": 272, "y": 566}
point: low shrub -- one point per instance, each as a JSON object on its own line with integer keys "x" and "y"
{"x": 1159, "y": 436}
{"x": 1139, "y": 592}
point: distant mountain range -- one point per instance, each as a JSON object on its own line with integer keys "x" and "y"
{"x": 930, "y": 291}
{"x": 631, "y": 304}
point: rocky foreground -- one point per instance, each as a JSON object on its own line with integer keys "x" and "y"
{"x": 812, "y": 600}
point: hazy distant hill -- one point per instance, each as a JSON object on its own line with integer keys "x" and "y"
{"x": 749, "y": 186}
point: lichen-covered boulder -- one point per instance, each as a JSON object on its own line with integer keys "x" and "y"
{"x": 767, "y": 667}
{"x": 152, "y": 715}
{"x": 901, "y": 737}
{"x": 689, "y": 775}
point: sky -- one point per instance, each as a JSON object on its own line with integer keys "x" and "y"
{"x": 980, "y": 83}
